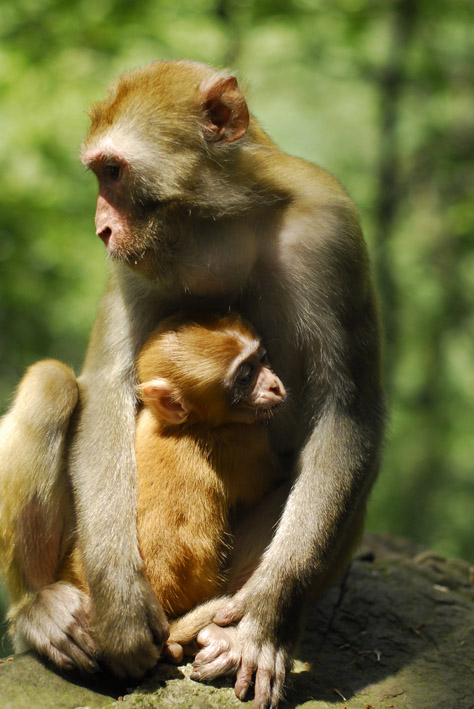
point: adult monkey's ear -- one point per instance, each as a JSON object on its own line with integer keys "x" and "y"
{"x": 226, "y": 116}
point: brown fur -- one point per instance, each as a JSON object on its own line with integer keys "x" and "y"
{"x": 187, "y": 482}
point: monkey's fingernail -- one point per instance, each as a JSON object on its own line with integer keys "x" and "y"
{"x": 195, "y": 675}
{"x": 243, "y": 694}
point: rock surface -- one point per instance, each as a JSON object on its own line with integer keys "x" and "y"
{"x": 397, "y": 633}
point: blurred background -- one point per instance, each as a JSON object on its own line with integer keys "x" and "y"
{"x": 379, "y": 93}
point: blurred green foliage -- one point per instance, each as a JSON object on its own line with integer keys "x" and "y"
{"x": 378, "y": 93}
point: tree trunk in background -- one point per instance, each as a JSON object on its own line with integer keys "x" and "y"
{"x": 390, "y": 83}
{"x": 226, "y": 12}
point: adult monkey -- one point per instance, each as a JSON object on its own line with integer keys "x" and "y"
{"x": 198, "y": 207}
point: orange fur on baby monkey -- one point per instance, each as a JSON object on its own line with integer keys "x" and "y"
{"x": 202, "y": 449}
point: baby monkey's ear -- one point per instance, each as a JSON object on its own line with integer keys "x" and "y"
{"x": 165, "y": 400}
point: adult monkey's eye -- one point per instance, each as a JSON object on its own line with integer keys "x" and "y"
{"x": 113, "y": 172}
{"x": 245, "y": 373}
{"x": 264, "y": 358}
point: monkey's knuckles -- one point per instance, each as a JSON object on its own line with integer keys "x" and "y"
{"x": 54, "y": 622}
{"x": 270, "y": 676}
{"x": 130, "y": 643}
{"x": 128, "y": 651}
{"x": 264, "y": 663}
{"x": 266, "y": 668}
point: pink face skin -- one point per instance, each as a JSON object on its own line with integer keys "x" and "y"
{"x": 266, "y": 396}
{"x": 268, "y": 390}
{"x": 111, "y": 222}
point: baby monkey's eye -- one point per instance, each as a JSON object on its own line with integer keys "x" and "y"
{"x": 245, "y": 373}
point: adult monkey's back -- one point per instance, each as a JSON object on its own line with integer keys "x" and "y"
{"x": 198, "y": 207}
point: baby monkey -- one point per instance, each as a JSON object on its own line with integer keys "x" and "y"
{"x": 202, "y": 450}
{"x": 203, "y": 457}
